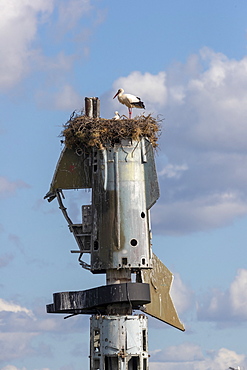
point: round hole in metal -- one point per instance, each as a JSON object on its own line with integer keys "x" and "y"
{"x": 133, "y": 242}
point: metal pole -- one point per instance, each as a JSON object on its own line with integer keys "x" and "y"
{"x": 92, "y": 107}
{"x": 116, "y": 231}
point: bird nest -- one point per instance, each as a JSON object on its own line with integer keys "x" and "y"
{"x": 82, "y": 131}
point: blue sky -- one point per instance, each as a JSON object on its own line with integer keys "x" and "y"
{"x": 188, "y": 63}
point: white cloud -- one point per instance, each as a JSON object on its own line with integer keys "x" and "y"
{"x": 18, "y": 27}
{"x": 150, "y": 88}
{"x": 15, "y": 345}
{"x": 16, "y": 318}
{"x": 12, "y": 307}
{"x": 12, "y": 367}
{"x": 238, "y": 295}
{"x": 182, "y": 295}
{"x": 171, "y": 170}
{"x": 24, "y": 50}
{"x": 227, "y": 306}
{"x": 214, "y": 107}
{"x": 204, "y": 104}
{"x": 71, "y": 11}
{"x": 68, "y": 99}
{"x": 189, "y": 356}
{"x": 183, "y": 353}
{"x": 203, "y": 177}
{"x": 8, "y": 188}
{"x": 201, "y": 213}
{"x": 20, "y": 326}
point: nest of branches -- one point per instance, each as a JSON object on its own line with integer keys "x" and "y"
{"x": 82, "y": 131}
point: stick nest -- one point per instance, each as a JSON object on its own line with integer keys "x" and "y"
{"x": 82, "y": 131}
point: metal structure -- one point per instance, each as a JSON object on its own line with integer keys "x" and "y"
{"x": 115, "y": 231}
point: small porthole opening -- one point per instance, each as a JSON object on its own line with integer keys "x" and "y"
{"x": 143, "y": 215}
{"x": 133, "y": 242}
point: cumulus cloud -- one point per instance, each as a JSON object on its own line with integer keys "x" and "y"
{"x": 181, "y": 294}
{"x": 8, "y": 188}
{"x": 16, "y": 318}
{"x": 65, "y": 29}
{"x": 15, "y": 345}
{"x": 173, "y": 170}
{"x": 189, "y": 356}
{"x": 201, "y": 213}
{"x": 201, "y": 162}
{"x": 12, "y": 367}
{"x": 21, "y": 325}
{"x": 151, "y": 88}
{"x": 227, "y": 306}
{"x": 18, "y": 25}
{"x": 12, "y": 307}
{"x": 70, "y": 12}
{"x": 24, "y": 51}
{"x": 216, "y": 102}
{"x": 183, "y": 352}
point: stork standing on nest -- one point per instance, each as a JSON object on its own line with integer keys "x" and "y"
{"x": 131, "y": 101}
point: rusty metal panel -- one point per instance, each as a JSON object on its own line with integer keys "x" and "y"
{"x": 73, "y": 171}
{"x": 161, "y": 306}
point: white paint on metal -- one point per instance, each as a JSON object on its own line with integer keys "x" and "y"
{"x": 119, "y": 341}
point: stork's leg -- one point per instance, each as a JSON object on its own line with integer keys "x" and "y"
{"x": 130, "y": 112}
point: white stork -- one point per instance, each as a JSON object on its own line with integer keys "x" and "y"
{"x": 131, "y": 101}
{"x": 117, "y": 116}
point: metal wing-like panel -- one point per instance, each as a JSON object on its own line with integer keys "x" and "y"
{"x": 161, "y": 306}
{"x": 151, "y": 179}
{"x": 73, "y": 171}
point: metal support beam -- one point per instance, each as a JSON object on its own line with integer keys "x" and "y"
{"x": 92, "y": 107}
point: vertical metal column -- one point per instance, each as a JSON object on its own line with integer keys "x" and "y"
{"x": 116, "y": 231}
{"x": 118, "y": 342}
{"x": 92, "y": 107}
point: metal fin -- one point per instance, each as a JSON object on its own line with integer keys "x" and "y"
{"x": 151, "y": 179}
{"x": 161, "y": 306}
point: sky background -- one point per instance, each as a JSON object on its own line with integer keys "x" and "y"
{"x": 187, "y": 60}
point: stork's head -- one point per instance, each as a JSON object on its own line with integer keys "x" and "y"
{"x": 120, "y": 91}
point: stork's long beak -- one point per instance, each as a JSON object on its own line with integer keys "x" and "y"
{"x": 115, "y": 95}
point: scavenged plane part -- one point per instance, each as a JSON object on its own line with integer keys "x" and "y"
{"x": 161, "y": 306}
